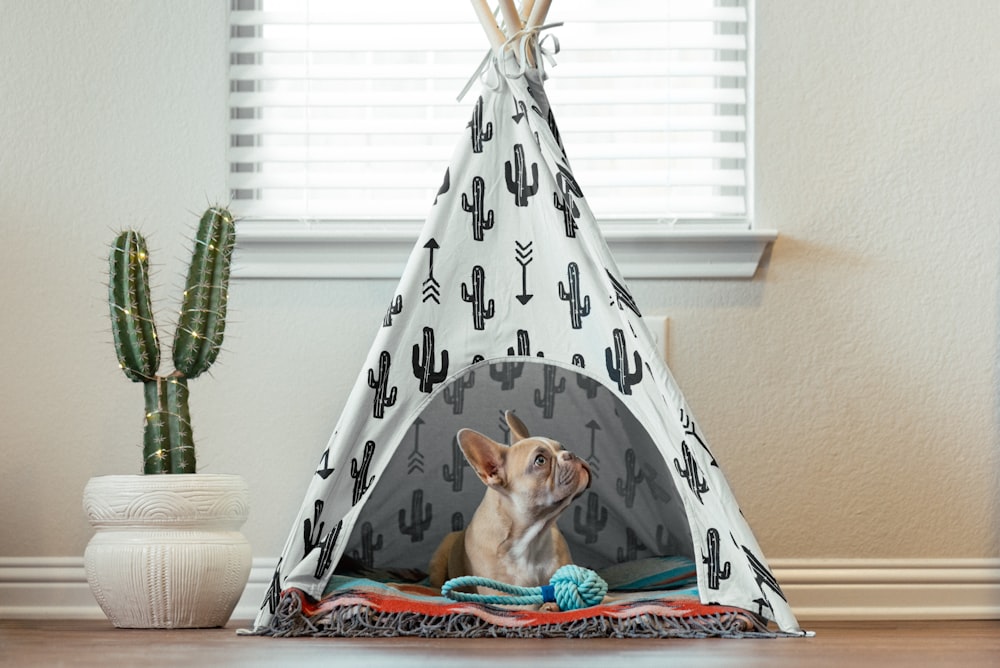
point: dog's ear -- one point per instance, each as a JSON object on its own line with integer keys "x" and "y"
{"x": 517, "y": 428}
{"x": 486, "y": 456}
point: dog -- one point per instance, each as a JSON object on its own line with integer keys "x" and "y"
{"x": 513, "y": 537}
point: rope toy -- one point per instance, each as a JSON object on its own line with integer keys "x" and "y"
{"x": 571, "y": 588}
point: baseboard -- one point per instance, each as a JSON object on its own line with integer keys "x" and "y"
{"x": 818, "y": 589}
{"x": 890, "y": 589}
{"x": 56, "y": 588}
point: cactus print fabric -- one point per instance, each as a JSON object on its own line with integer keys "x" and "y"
{"x": 512, "y": 300}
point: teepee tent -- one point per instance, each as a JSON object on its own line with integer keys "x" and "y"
{"x": 511, "y": 300}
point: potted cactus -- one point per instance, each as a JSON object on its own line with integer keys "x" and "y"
{"x": 167, "y": 552}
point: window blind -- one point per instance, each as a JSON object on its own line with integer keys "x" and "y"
{"x": 347, "y": 111}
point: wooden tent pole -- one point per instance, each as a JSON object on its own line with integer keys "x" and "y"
{"x": 493, "y": 32}
{"x": 510, "y": 18}
{"x": 538, "y": 13}
{"x": 526, "y": 11}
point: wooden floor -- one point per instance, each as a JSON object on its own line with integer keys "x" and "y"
{"x": 857, "y": 644}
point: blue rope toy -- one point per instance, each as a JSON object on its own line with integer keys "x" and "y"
{"x": 571, "y": 588}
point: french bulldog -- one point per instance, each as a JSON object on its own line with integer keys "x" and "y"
{"x": 513, "y": 537}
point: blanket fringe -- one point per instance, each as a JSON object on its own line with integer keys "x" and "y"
{"x": 359, "y": 621}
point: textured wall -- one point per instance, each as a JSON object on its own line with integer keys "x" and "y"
{"x": 850, "y": 390}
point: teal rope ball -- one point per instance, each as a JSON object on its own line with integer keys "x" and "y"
{"x": 575, "y": 587}
{"x": 571, "y": 588}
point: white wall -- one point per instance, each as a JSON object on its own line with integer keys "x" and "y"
{"x": 850, "y": 390}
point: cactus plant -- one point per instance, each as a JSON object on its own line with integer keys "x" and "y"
{"x": 168, "y": 442}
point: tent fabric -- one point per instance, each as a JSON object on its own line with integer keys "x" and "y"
{"x": 512, "y": 300}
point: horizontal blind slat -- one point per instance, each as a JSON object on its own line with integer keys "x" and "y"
{"x": 418, "y": 153}
{"x": 321, "y": 128}
{"x": 562, "y": 71}
{"x": 422, "y": 98}
{"x": 444, "y": 13}
{"x": 352, "y": 41}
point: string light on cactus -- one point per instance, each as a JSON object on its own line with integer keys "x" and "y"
{"x": 196, "y": 342}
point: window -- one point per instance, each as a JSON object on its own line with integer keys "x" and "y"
{"x": 332, "y": 102}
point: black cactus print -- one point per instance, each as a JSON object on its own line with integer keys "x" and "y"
{"x": 482, "y": 310}
{"x": 567, "y": 182}
{"x": 593, "y": 523}
{"x": 545, "y": 398}
{"x": 481, "y": 219}
{"x": 420, "y": 517}
{"x": 506, "y": 373}
{"x": 395, "y": 308}
{"x": 480, "y": 133}
{"x": 312, "y": 529}
{"x": 632, "y": 546}
{"x": 714, "y": 568}
{"x": 369, "y": 545}
{"x": 454, "y": 394}
{"x": 516, "y": 176}
{"x": 424, "y": 362}
{"x": 523, "y": 345}
{"x": 583, "y": 381}
{"x": 383, "y": 397}
{"x": 326, "y": 551}
{"x": 565, "y": 200}
{"x": 633, "y": 477}
{"x": 360, "y": 473}
{"x": 570, "y": 212}
{"x": 577, "y": 309}
{"x": 455, "y": 474}
{"x": 690, "y": 472}
{"x": 618, "y": 365}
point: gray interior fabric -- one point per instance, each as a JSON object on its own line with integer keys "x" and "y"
{"x": 631, "y": 510}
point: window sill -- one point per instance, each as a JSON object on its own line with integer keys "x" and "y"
{"x": 361, "y": 249}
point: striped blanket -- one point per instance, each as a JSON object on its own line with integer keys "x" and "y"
{"x": 649, "y": 598}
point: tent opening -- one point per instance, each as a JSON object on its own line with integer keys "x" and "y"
{"x": 631, "y": 510}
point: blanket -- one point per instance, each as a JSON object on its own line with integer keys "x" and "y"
{"x": 648, "y": 598}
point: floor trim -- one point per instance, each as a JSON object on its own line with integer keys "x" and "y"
{"x": 818, "y": 589}
{"x": 891, "y": 589}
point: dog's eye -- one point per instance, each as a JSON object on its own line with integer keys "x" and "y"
{"x": 539, "y": 460}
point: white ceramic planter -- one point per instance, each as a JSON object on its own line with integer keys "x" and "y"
{"x": 167, "y": 552}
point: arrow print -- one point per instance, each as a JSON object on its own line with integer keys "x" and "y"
{"x": 521, "y": 110}
{"x": 432, "y": 288}
{"x": 324, "y": 469}
{"x": 595, "y": 463}
{"x": 416, "y": 459}
{"x": 524, "y": 256}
